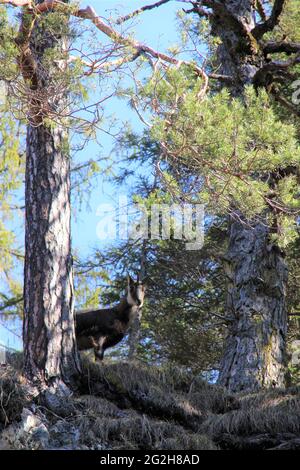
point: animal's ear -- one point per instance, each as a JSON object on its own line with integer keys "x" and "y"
{"x": 130, "y": 281}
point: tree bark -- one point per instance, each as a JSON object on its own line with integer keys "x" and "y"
{"x": 50, "y": 353}
{"x": 254, "y": 352}
{"x": 254, "y": 355}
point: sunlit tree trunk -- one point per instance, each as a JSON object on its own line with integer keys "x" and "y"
{"x": 50, "y": 354}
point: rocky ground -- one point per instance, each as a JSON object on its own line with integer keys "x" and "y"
{"x": 133, "y": 406}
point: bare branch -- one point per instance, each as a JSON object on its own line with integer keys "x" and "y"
{"x": 284, "y": 102}
{"x": 272, "y": 47}
{"x": 135, "y": 107}
{"x": 11, "y": 303}
{"x": 140, "y": 10}
{"x": 222, "y": 78}
{"x": 271, "y": 69}
{"x": 138, "y": 48}
{"x": 260, "y": 9}
{"x": 18, "y": 3}
{"x": 89, "y": 13}
{"x": 197, "y": 8}
{"x": 271, "y": 22}
{"x": 48, "y": 5}
{"x": 131, "y": 15}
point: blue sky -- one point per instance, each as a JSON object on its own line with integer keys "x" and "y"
{"x": 157, "y": 29}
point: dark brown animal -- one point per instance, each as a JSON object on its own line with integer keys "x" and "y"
{"x": 104, "y": 328}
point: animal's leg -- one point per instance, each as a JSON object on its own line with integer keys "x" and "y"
{"x": 98, "y": 348}
{"x": 99, "y": 354}
{"x": 94, "y": 343}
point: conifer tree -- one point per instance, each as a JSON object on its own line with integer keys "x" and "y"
{"x": 249, "y": 164}
{"x": 242, "y": 159}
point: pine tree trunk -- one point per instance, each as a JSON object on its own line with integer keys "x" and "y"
{"x": 254, "y": 354}
{"x": 50, "y": 353}
{"x": 49, "y": 337}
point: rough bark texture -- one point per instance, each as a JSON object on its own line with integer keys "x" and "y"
{"x": 49, "y": 336}
{"x": 238, "y": 55}
{"x": 50, "y": 354}
{"x": 254, "y": 355}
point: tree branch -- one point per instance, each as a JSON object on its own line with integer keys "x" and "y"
{"x": 17, "y": 3}
{"x": 90, "y": 14}
{"x": 271, "y": 22}
{"x": 197, "y": 8}
{"x": 122, "y": 19}
{"x": 40, "y": 8}
{"x": 11, "y": 302}
{"x": 266, "y": 74}
{"x": 272, "y": 47}
{"x": 260, "y": 9}
{"x": 222, "y": 78}
{"x": 284, "y": 102}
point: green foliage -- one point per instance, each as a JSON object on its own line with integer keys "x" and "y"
{"x": 221, "y": 151}
{"x": 235, "y": 146}
{"x": 8, "y": 49}
{"x": 11, "y": 174}
{"x": 88, "y": 293}
{"x": 11, "y": 171}
{"x": 289, "y": 22}
{"x": 6, "y": 241}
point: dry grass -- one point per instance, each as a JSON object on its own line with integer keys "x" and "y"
{"x": 263, "y": 419}
{"x": 118, "y": 429}
{"x": 12, "y": 395}
{"x": 168, "y": 392}
{"x": 132, "y": 406}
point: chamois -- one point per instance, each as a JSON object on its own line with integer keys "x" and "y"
{"x": 104, "y": 328}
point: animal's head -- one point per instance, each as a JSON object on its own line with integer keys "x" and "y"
{"x": 135, "y": 292}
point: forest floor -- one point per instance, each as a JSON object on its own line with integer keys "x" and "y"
{"x": 133, "y": 406}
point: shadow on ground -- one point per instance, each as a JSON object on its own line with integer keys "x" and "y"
{"x": 133, "y": 406}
